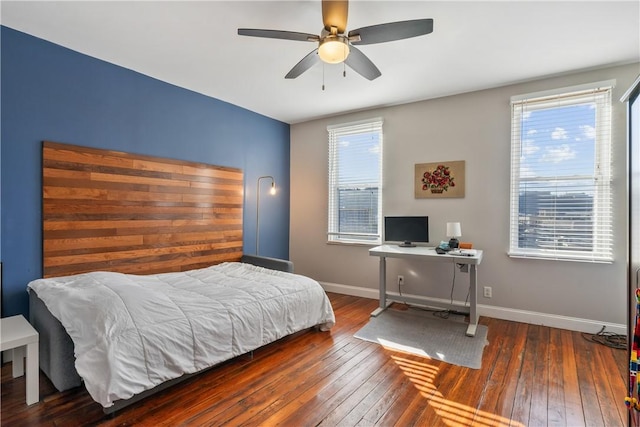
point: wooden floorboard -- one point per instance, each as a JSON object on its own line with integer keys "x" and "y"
{"x": 530, "y": 376}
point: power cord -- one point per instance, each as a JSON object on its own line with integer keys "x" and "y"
{"x": 609, "y": 339}
{"x": 444, "y": 313}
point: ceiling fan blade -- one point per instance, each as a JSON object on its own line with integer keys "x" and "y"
{"x": 334, "y": 14}
{"x": 277, "y": 34}
{"x": 362, "y": 65}
{"x": 305, "y": 63}
{"x": 391, "y": 31}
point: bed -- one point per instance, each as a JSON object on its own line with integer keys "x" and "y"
{"x": 132, "y": 333}
{"x": 144, "y": 281}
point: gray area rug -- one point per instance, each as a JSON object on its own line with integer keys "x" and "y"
{"x": 420, "y": 332}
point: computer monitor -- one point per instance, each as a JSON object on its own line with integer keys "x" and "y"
{"x": 406, "y": 229}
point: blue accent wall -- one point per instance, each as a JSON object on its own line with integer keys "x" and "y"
{"x": 52, "y": 93}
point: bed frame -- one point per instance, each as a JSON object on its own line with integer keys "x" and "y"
{"x": 113, "y": 211}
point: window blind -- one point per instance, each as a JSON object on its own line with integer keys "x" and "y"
{"x": 561, "y": 201}
{"x": 355, "y": 182}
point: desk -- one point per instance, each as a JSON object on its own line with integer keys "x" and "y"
{"x": 16, "y": 334}
{"x": 421, "y": 253}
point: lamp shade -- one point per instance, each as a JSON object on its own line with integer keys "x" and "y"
{"x": 453, "y": 229}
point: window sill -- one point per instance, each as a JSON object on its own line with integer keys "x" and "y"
{"x": 352, "y": 243}
{"x": 558, "y": 258}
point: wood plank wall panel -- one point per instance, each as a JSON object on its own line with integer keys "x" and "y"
{"x": 113, "y": 211}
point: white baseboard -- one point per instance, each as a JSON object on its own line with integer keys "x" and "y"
{"x": 354, "y": 291}
{"x": 523, "y": 316}
{"x": 552, "y": 320}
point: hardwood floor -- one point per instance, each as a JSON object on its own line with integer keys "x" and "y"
{"x": 530, "y": 376}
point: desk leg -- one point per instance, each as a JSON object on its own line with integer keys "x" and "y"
{"x": 33, "y": 392}
{"x": 383, "y": 287}
{"x": 473, "y": 309}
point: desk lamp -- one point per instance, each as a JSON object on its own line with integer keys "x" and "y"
{"x": 453, "y": 232}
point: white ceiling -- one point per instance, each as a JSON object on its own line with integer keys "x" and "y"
{"x": 475, "y": 45}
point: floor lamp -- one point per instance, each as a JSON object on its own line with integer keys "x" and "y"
{"x": 272, "y": 191}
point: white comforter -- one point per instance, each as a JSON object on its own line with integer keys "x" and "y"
{"x": 132, "y": 333}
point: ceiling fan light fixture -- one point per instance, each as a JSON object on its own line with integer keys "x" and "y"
{"x": 333, "y": 49}
{"x": 335, "y": 44}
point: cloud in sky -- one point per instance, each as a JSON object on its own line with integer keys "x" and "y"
{"x": 374, "y": 149}
{"x": 529, "y": 147}
{"x": 557, "y": 141}
{"x": 558, "y": 153}
{"x": 588, "y": 131}
{"x": 559, "y": 133}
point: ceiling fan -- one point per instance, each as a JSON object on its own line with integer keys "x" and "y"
{"x": 335, "y": 46}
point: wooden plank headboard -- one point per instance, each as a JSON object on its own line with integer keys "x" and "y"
{"x": 113, "y": 211}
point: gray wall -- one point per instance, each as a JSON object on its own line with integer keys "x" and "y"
{"x": 474, "y": 127}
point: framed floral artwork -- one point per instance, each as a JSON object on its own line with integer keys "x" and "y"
{"x": 439, "y": 180}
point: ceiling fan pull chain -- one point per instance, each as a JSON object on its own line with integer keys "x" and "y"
{"x": 344, "y": 65}
{"x": 323, "y": 76}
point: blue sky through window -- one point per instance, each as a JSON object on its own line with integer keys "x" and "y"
{"x": 359, "y": 158}
{"x": 558, "y": 142}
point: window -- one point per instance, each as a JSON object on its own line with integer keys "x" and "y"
{"x": 561, "y": 174}
{"x": 355, "y": 182}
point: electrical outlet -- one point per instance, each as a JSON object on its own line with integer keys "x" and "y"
{"x": 487, "y": 292}
{"x": 400, "y": 280}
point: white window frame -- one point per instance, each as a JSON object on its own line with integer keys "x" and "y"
{"x": 600, "y": 93}
{"x": 335, "y": 132}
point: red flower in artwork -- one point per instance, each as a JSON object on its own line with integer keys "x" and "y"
{"x": 438, "y": 179}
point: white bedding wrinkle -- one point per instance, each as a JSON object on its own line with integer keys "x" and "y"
{"x": 131, "y": 333}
